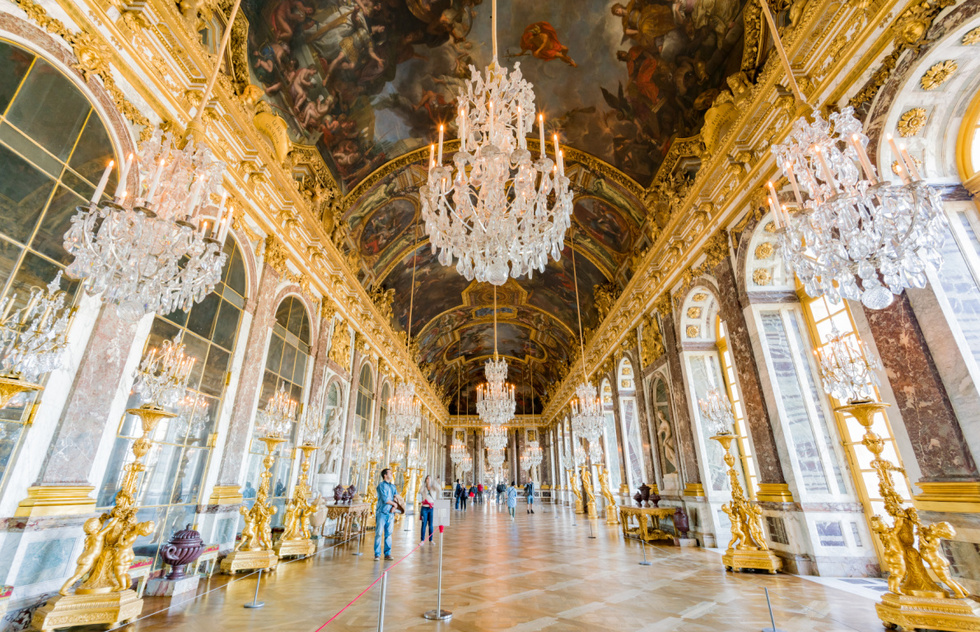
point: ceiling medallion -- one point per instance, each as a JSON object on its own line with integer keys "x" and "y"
{"x": 693, "y": 331}
{"x": 762, "y": 276}
{"x": 765, "y": 250}
{"x": 495, "y": 208}
{"x": 938, "y": 74}
{"x": 912, "y": 122}
{"x": 694, "y": 312}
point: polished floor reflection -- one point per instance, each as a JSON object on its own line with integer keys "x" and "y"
{"x": 539, "y": 572}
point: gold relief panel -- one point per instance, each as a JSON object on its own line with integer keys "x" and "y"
{"x": 765, "y": 250}
{"x": 694, "y": 312}
{"x": 972, "y": 38}
{"x": 762, "y": 276}
{"x": 700, "y": 296}
{"x": 938, "y": 74}
{"x": 693, "y": 331}
{"x": 912, "y": 122}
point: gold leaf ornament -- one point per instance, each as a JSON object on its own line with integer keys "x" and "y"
{"x": 912, "y": 122}
{"x": 938, "y": 74}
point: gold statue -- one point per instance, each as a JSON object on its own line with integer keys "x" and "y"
{"x": 589, "y": 493}
{"x": 611, "y": 512}
{"x": 915, "y": 599}
{"x": 94, "y": 544}
{"x": 295, "y": 539}
{"x": 254, "y": 550}
{"x": 748, "y": 547}
{"x": 573, "y": 482}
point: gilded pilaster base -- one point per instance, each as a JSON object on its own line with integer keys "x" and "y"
{"x": 694, "y": 489}
{"x": 56, "y": 500}
{"x": 774, "y": 493}
{"x": 738, "y": 559}
{"x": 249, "y": 561}
{"x": 295, "y": 548}
{"x": 226, "y": 495}
{"x": 952, "y": 497}
{"x": 908, "y": 612}
{"x": 65, "y": 611}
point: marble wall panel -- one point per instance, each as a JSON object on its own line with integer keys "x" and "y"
{"x": 45, "y": 560}
{"x": 682, "y": 416}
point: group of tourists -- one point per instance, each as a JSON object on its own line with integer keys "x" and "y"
{"x": 390, "y": 503}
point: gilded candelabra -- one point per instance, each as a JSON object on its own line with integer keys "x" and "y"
{"x": 254, "y": 549}
{"x": 748, "y": 547}
{"x": 589, "y": 492}
{"x": 573, "y": 483}
{"x": 105, "y": 596}
{"x": 915, "y": 599}
{"x": 612, "y": 514}
{"x": 417, "y": 480}
{"x": 371, "y": 494}
{"x": 295, "y": 540}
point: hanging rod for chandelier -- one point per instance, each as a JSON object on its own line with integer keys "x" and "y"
{"x": 496, "y": 208}
{"x": 853, "y": 236}
{"x": 587, "y": 417}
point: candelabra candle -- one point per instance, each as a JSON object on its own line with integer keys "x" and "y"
{"x": 162, "y": 376}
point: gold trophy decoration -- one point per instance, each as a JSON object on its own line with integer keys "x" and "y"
{"x": 374, "y": 454}
{"x": 32, "y": 339}
{"x": 254, "y": 549}
{"x": 748, "y": 547}
{"x": 105, "y": 596}
{"x": 295, "y": 540}
{"x": 612, "y": 516}
{"x": 573, "y": 483}
{"x": 916, "y": 598}
{"x": 589, "y": 492}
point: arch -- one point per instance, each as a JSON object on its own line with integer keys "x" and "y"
{"x": 365, "y": 378}
{"x": 292, "y": 292}
{"x": 764, "y": 267}
{"x": 698, "y": 313}
{"x": 625, "y": 376}
{"x": 606, "y": 393}
{"x": 663, "y": 425}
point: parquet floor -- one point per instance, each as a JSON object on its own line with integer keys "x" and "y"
{"x": 539, "y": 572}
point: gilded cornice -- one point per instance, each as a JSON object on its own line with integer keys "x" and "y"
{"x": 740, "y": 164}
{"x": 471, "y": 422}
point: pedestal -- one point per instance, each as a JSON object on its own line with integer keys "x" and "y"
{"x": 173, "y": 588}
{"x": 295, "y": 548}
{"x": 740, "y": 559}
{"x": 107, "y": 608}
{"x": 249, "y": 561}
{"x": 909, "y": 612}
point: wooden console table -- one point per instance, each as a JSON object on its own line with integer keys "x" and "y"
{"x": 347, "y": 516}
{"x": 645, "y": 523}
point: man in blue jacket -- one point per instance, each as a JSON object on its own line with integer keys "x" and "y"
{"x": 383, "y": 519}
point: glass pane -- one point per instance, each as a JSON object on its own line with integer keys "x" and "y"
{"x": 196, "y": 348}
{"x": 282, "y": 312}
{"x": 14, "y": 64}
{"x": 235, "y": 268}
{"x": 33, "y": 272}
{"x": 213, "y": 380}
{"x": 296, "y": 316}
{"x": 299, "y": 371}
{"x": 9, "y": 436}
{"x": 93, "y": 152}
{"x": 275, "y": 353}
{"x": 49, "y": 109}
{"x": 226, "y": 325}
{"x": 202, "y": 423}
{"x": 189, "y": 474}
{"x": 24, "y": 192}
{"x": 161, "y": 465}
{"x": 30, "y": 151}
{"x": 121, "y": 455}
{"x": 50, "y": 237}
{"x": 9, "y": 253}
{"x": 202, "y": 315}
{"x": 288, "y": 360}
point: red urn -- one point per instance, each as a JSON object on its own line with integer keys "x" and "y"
{"x": 185, "y": 547}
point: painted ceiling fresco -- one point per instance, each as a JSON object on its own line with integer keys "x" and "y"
{"x": 368, "y": 80}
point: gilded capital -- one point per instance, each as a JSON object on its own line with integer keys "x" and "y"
{"x": 275, "y": 254}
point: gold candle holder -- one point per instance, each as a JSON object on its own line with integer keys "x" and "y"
{"x": 105, "y": 596}
{"x": 295, "y": 540}
{"x": 612, "y": 512}
{"x": 915, "y": 599}
{"x": 254, "y": 549}
{"x": 13, "y": 385}
{"x": 417, "y": 482}
{"x": 748, "y": 547}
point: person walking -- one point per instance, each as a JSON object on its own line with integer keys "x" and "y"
{"x": 428, "y": 504}
{"x": 501, "y": 488}
{"x": 462, "y": 496}
{"x": 479, "y": 493}
{"x": 512, "y": 500}
{"x": 458, "y": 494}
{"x": 383, "y": 518}
{"x": 529, "y": 493}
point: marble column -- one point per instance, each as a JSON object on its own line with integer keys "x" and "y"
{"x": 345, "y": 464}
{"x": 682, "y": 419}
{"x": 98, "y": 396}
{"x": 920, "y": 394}
{"x": 643, "y": 416}
{"x": 234, "y": 459}
{"x": 772, "y": 480}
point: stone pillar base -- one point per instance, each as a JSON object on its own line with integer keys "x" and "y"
{"x": 931, "y": 613}
{"x": 694, "y": 489}
{"x": 952, "y": 497}
{"x": 295, "y": 548}
{"x": 737, "y": 559}
{"x": 66, "y": 611}
{"x": 226, "y": 495}
{"x": 56, "y": 500}
{"x": 774, "y": 493}
{"x": 173, "y": 588}
{"x": 249, "y": 561}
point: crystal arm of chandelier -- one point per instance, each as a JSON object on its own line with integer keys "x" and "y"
{"x": 848, "y": 368}
{"x": 162, "y": 375}
{"x": 716, "y": 409}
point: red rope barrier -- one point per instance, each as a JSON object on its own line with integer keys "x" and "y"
{"x": 362, "y": 593}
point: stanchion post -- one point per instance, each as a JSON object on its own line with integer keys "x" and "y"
{"x": 772, "y": 620}
{"x": 255, "y": 603}
{"x": 643, "y": 547}
{"x": 439, "y": 614}
{"x": 591, "y": 532}
{"x": 384, "y": 595}
{"x": 360, "y": 534}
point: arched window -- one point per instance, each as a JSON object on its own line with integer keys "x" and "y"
{"x": 738, "y": 411}
{"x": 53, "y": 148}
{"x": 364, "y": 413}
{"x": 612, "y": 443}
{"x": 285, "y": 367}
{"x": 175, "y": 468}
{"x": 632, "y": 445}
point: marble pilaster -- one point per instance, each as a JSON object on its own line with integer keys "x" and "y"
{"x": 345, "y": 464}
{"x": 682, "y": 418}
{"x": 643, "y": 419}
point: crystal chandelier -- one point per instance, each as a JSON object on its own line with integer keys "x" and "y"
{"x": 532, "y": 456}
{"x": 374, "y": 450}
{"x": 188, "y": 422}
{"x": 847, "y": 368}
{"x": 495, "y": 400}
{"x": 33, "y": 338}
{"x": 496, "y": 209}
{"x": 277, "y": 418}
{"x": 587, "y": 417}
{"x": 415, "y": 457}
{"x": 162, "y": 376}
{"x": 466, "y": 465}
{"x": 578, "y": 455}
{"x": 853, "y": 237}
{"x": 495, "y": 437}
{"x": 495, "y": 458}
{"x": 595, "y": 451}
{"x": 164, "y": 250}
{"x": 716, "y": 409}
{"x": 457, "y": 451}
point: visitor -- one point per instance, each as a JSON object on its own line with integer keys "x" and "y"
{"x": 463, "y": 496}
{"x": 512, "y": 499}
{"x": 479, "y": 493}
{"x": 249, "y": 491}
{"x": 458, "y": 495}
{"x": 429, "y": 489}
{"x": 280, "y": 488}
{"x": 383, "y": 519}
{"x": 473, "y": 492}
{"x": 501, "y": 488}
{"x": 529, "y": 493}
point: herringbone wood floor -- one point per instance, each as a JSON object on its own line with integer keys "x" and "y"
{"x": 539, "y": 572}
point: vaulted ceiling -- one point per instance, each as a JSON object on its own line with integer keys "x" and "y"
{"x": 367, "y": 82}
